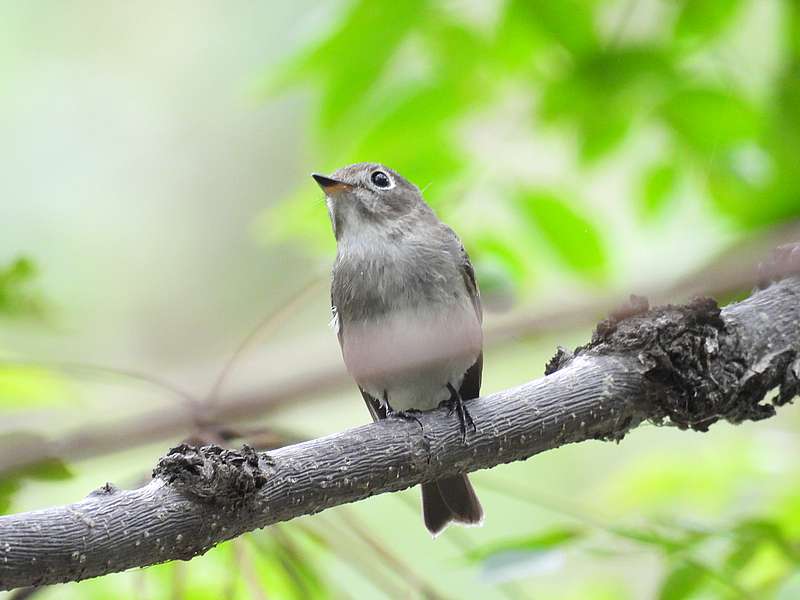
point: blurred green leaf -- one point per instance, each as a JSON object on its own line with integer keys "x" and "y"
{"x": 516, "y": 42}
{"x": 682, "y": 582}
{"x": 541, "y": 542}
{"x": 502, "y": 268}
{"x": 602, "y": 131}
{"x": 214, "y": 575}
{"x": 394, "y": 139}
{"x": 787, "y": 104}
{"x": 23, "y": 386}
{"x": 702, "y": 20}
{"x": 711, "y": 120}
{"x": 569, "y": 23}
{"x": 604, "y": 92}
{"x": 498, "y": 248}
{"x": 304, "y": 578}
{"x": 740, "y": 556}
{"x": 657, "y": 186}
{"x": 751, "y": 201}
{"x": 456, "y": 52}
{"x": 512, "y": 559}
{"x": 496, "y": 283}
{"x": 750, "y": 535}
{"x": 287, "y": 571}
{"x": 671, "y": 542}
{"x": 8, "y": 487}
{"x": 17, "y": 295}
{"x": 348, "y": 62}
{"x": 48, "y": 469}
{"x": 571, "y": 235}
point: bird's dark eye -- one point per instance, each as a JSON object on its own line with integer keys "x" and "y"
{"x": 380, "y": 179}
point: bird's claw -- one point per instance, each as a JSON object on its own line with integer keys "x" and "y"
{"x": 406, "y": 415}
{"x": 455, "y": 404}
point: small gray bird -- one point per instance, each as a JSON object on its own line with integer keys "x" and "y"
{"x": 407, "y": 312}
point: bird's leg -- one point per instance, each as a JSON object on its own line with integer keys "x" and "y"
{"x": 409, "y": 415}
{"x": 406, "y": 415}
{"x": 456, "y": 405}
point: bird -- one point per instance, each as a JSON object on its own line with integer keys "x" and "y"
{"x": 407, "y": 312}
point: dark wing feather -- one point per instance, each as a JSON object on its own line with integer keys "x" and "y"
{"x": 471, "y": 386}
{"x": 467, "y": 272}
{"x": 375, "y": 408}
{"x": 471, "y": 283}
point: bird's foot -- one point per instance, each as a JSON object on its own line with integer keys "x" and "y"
{"x": 455, "y": 404}
{"x": 406, "y": 415}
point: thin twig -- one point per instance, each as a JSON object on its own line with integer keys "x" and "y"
{"x": 521, "y": 494}
{"x": 460, "y": 539}
{"x": 94, "y": 369}
{"x": 248, "y": 570}
{"x": 346, "y": 555}
{"x": 558, "y": 505}
{"x": 386, "y": 555}
{"x": 178, "y": 581}
{"x": 267, "y": 325}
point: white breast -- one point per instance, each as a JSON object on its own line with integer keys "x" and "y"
{"x": 410, "y": 356}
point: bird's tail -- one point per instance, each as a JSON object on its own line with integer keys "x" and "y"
{"x": 450, "y": 499}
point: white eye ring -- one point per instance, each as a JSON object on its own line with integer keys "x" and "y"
{"x": 381, "y": 180}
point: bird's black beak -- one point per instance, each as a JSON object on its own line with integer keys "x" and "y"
{"x": 330, "y": 186}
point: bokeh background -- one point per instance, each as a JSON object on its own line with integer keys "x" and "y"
{"x": 159, "y": 229}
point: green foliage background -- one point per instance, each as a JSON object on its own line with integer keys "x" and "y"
{"x": 580, "y": 147}
{"x": 399, "y": 82}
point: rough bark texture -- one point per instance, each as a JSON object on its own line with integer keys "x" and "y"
{"x": 688, "y": 365}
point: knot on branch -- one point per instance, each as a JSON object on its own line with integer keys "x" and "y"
{"x": 694, "y": 362}
{"x": 107, "y": 489}
{"x": 790, "y": 386}
{"x": 213, "y": 474}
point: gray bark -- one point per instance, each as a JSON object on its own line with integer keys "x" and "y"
{"x": 687, "y": 366}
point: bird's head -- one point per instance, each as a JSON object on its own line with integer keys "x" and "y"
{"x": 368, "y": 195}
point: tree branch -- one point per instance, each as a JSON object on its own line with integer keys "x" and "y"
{"x": 687, "y": 366}
{"x": 732, "y": 271}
